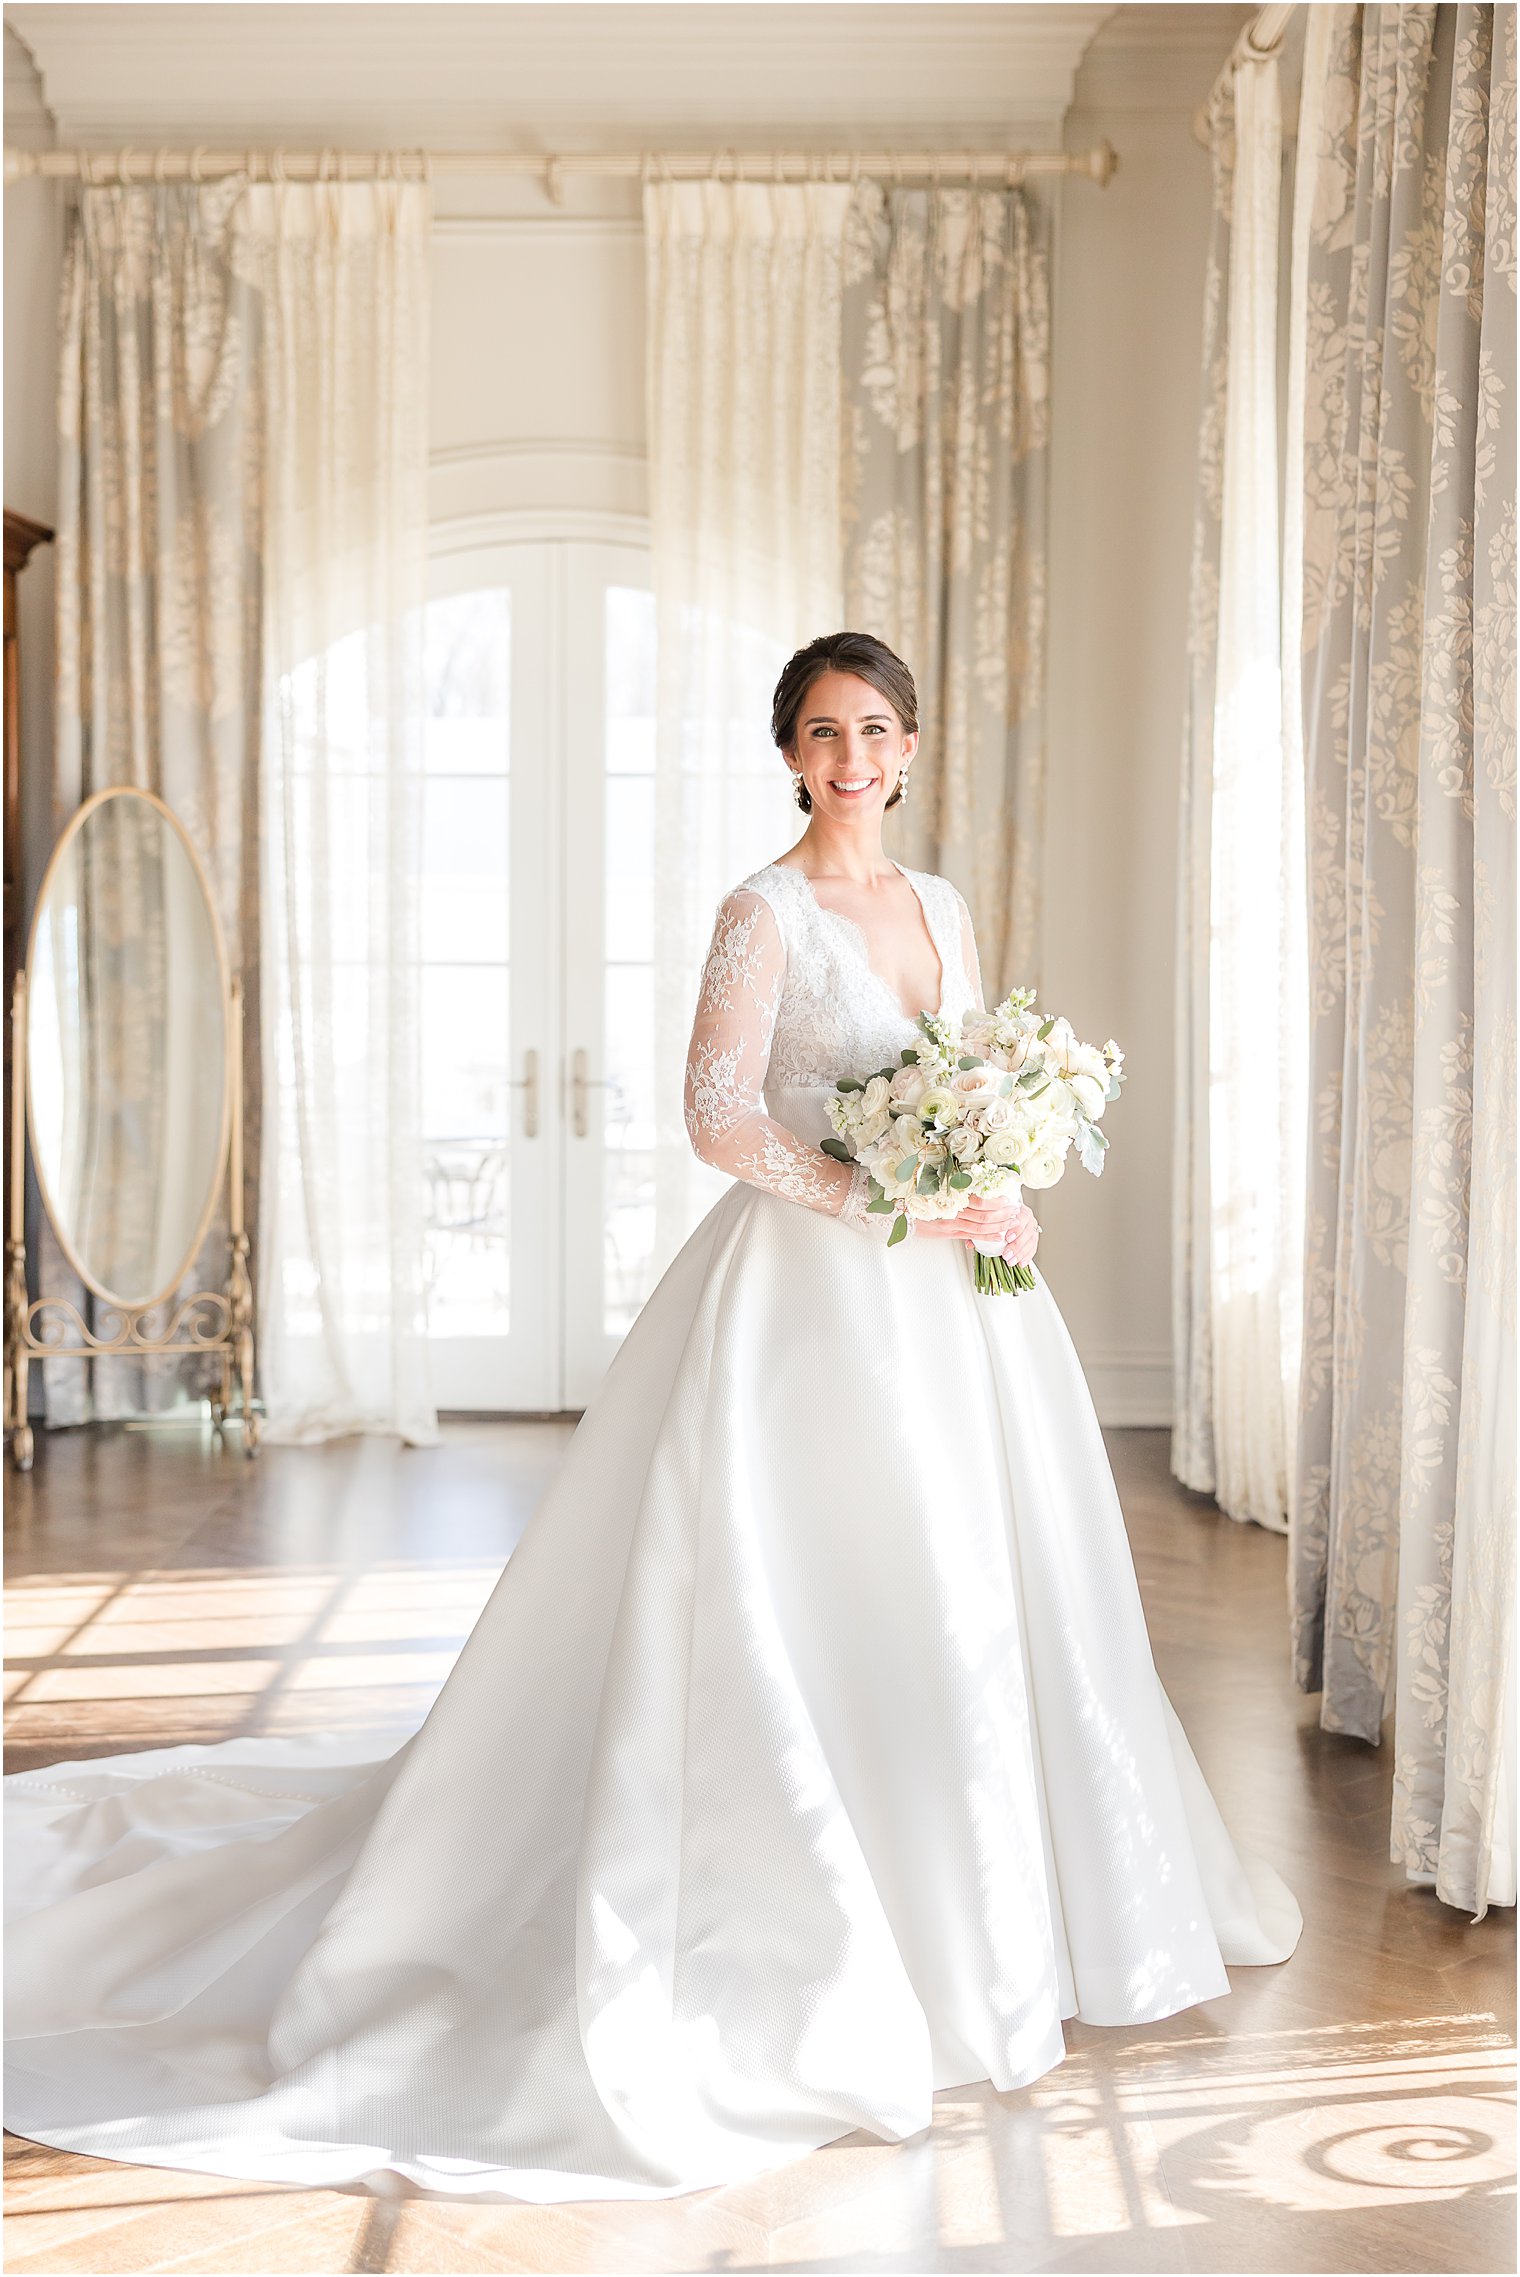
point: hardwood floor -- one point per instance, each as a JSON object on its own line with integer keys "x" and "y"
{"x": 1350, "y": 2111}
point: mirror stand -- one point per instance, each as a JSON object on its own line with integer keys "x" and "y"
{"x": 53, "y": 1328}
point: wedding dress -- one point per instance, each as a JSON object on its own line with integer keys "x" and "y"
{"x": 809, "y": 1755}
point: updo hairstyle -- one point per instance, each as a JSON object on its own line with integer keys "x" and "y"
{"x": 859, "y": 653}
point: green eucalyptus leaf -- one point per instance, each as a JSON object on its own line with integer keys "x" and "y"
{"x": 960, "y": 1180}
{"x": 899, "y": 1233}
{"x": 1042, "y": 1033}
{"x": 910, "y": 1058}
{"x": 848, "y": 1083}
{"x": 969, "y": 1060}
{"x": 837, "y": 1148}
{"x": 882, "y": 1204}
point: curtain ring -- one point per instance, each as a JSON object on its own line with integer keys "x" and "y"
{"x": 197, "y": 170}
{"x": 160, "y": 162}
{"x": 277, "y": 165}
{"x": 123, "y": 162}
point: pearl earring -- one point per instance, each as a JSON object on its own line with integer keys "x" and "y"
{"x": 902, "y": 787}
{"x": 800, "y": 791}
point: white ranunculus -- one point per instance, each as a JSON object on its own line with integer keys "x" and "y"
{"x": 940, "y": 1103}
{"x": 1004, "y": 1148}
{"x": 1042, "y": 1168}
{"x": 908, "y": 1086}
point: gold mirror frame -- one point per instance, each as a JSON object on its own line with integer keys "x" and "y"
{"x": 210, "y": 1320}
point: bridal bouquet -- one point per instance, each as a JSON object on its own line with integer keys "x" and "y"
{"x": 992, "y": 1101}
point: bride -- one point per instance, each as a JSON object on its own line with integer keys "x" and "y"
{"x": 809, "y": 1755}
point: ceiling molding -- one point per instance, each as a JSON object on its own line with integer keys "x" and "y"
{"x": 522, "y": 74}
{"x": 1156, "y": 57}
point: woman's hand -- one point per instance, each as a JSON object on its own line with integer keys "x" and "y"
{"x": 989, "y": 1217}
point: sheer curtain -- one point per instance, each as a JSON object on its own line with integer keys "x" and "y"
{"x": 341, "y": 269}
{"x": 743, "y": 297}
{"x": 1241, "y": 978}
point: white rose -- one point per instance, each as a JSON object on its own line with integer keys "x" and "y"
{"x": 1089, "y": 1094}
{"x": 908, "y": 1131}
{"x": 997, "y": 1115}
{"x": 875, "y": 1096}
{"x": 965, "y": 1142}
{"x": 974, "y": 1087}
{"x": 908, "y": 1086}
{"x": 874, "y": 1127}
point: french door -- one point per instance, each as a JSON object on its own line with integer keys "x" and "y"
{"x": 537, "y": 974}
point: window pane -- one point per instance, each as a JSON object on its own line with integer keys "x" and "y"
{"x": 465, "y": 854}
{"x": 469, "y": 682}
{"x": 466, "y": 1115}
{"x": 466, "y": 915}
{"x": 628, "y": 984}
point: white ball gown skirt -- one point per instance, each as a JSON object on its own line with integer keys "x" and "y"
{"x": 809, "y": 1756}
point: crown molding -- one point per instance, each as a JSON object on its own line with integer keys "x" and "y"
{"x": 520, "y": 73}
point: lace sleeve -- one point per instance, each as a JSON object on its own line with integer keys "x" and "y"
{"x": 968, "y": 954}
{"x": 726, "y": 1062}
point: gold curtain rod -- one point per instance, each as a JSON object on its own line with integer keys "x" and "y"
{"x": 205, "y": 165}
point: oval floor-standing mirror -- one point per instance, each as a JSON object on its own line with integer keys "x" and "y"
{"x": 127, "y": 1032}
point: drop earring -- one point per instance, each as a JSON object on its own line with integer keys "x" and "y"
{"x": 800, "y": 791}
{"x": 902, "y": 788}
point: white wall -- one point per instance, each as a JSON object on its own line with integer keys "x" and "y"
{"x": 538, "y": 384}
{"x": 1125, "y": 399}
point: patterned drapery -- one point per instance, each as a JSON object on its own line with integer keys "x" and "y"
{"x": 160, "y": 537}
{"x": 241, "y": 574}
{"x": 946, "y": 359}
{"x": 1402, "y": 1551}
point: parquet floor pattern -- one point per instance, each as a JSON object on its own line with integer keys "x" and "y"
{"x": 1350, "y": 2111}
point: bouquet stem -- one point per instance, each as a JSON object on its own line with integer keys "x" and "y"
{"x": 995, "y": 1277}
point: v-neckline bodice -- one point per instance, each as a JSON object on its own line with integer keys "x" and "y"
{"x": 861, "y": 941}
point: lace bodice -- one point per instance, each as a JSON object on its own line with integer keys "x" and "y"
{"x": 790, "y": 1002}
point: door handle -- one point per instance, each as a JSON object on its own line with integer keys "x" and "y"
{"x": 529, "y": 1088}
{"x": 580, "y": 1084}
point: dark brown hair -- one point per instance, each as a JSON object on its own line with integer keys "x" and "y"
{"x": 863, "y": 655}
